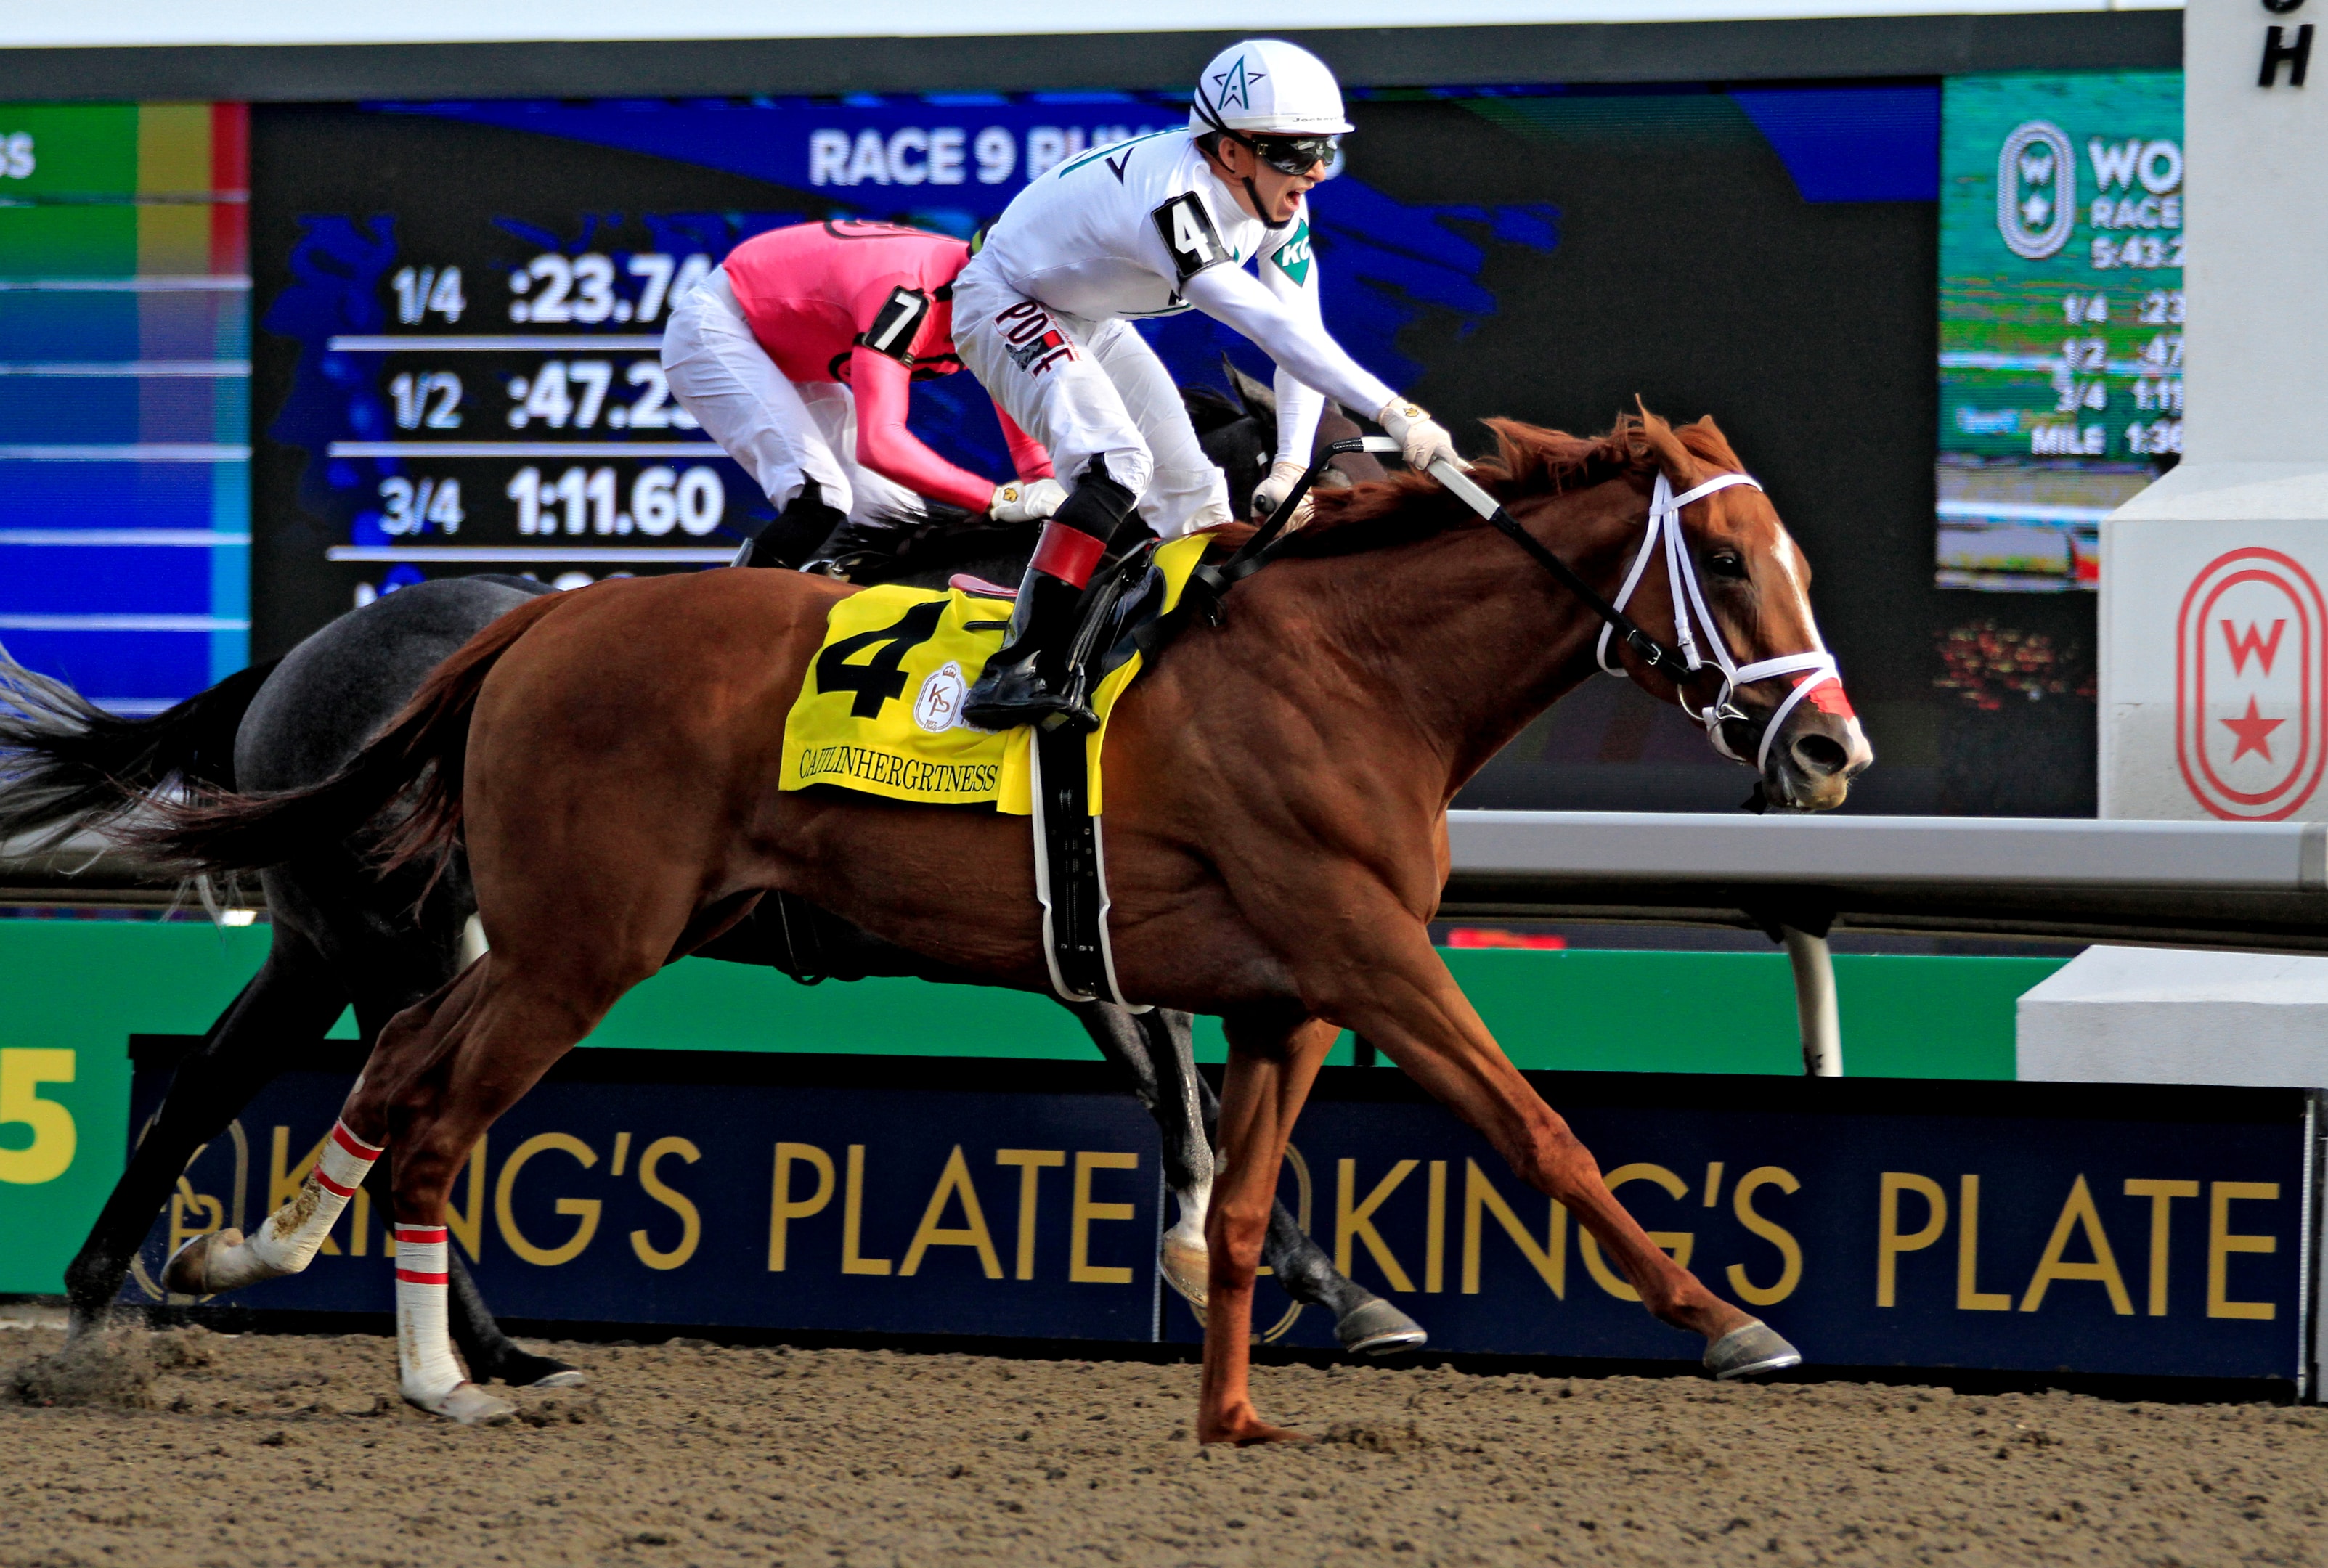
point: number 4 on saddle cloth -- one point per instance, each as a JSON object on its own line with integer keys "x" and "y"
{"x": 881, "y": 713}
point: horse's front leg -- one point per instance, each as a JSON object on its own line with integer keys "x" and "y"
{"x": 1273, "y": 1059}
{"x": 1376, "y": 973}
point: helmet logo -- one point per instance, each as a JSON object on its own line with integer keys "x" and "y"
{"x": 1233, "y": 86}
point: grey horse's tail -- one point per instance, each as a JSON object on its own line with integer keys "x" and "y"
{"x": 413, "y": 764}
{"x": 67, "y": 764}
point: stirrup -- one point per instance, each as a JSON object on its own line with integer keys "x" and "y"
{"x": 1024, "y": 697}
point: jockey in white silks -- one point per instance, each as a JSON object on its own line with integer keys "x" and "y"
{"x": 1151, "y": 226}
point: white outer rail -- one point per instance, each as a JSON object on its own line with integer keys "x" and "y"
{"x": 2241, "y": 884}
{"x": 2026, "y": 852}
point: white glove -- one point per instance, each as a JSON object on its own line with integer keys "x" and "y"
{"x": 1273, "y": 491}
{"x": 1421, "y": 439}
{"x": 1026, "y": 500}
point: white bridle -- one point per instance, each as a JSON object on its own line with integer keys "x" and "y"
{"x": 1689, "y": 604}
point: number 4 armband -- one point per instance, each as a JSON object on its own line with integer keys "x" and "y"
{"x": 1187, "y": 226}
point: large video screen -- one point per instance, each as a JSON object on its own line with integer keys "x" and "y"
{"x": 2061, "y": 306}
{"x": 125, "y": 410}
{"x": 457, "y": 309}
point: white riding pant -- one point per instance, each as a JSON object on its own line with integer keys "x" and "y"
{"x": 1100, "y": 392}
{"x": 781, "y": 432}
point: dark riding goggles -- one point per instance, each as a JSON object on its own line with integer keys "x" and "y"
{"x": 1294, "y": 154}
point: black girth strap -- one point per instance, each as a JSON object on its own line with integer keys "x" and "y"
{"x": 1070, "y": 857}
{"x": 1071, "y": 887}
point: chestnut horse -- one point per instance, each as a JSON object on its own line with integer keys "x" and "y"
{"x": 1276, "y": 831}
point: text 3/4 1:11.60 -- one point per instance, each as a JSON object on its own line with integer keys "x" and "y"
{"x": 660, "y": 498}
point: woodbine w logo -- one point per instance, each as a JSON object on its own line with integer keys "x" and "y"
{"x": 2250, "y": 680}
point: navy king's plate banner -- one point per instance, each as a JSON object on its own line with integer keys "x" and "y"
{"x": 2131, "y": 1230}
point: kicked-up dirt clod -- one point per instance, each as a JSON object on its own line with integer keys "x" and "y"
{"x": 267, "y": 1450}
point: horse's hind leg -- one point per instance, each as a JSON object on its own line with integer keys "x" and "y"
{"x": 287, "y": 1240}
{"x": 514, "y": 1024}
{"x": 489, "y": 1353}
{"x": 286, "y": 1007}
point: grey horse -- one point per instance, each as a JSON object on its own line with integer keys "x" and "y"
{"x": 343, "y": 936}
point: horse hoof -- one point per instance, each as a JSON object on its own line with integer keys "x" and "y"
{"x": 188, "y": 1271}
{"x": 1750, "y": 1349}
{"x": 467, "y": 1404}
{"x": 524, "y": 1369}
{"x": 1379, "y": 1329}
{"x": 1185, "y": 1266}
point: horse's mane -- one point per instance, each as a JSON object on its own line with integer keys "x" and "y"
{"x": 1530, "y": 460}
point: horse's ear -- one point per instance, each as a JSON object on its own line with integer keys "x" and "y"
{"x": 1705, "y": 441}
{"x": 1672, "y": 456}
{"x": 1259, "y": 399}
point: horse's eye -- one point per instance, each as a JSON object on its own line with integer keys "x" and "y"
{"x": 1726, "y": 563}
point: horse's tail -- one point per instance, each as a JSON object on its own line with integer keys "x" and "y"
{"x": 416, "y": 758}
{"x": 68, "y": 765}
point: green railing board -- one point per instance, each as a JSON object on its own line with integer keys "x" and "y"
{"x": 1903, "y": 1016}
{"x": 86, "y": 985}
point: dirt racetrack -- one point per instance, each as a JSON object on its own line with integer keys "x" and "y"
{"x": 199, "y": 1448}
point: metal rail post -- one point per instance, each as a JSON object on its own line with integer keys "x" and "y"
{"x": 1815, "y": 1003}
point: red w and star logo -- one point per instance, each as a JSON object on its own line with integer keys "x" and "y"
{"x": 2250, "y": 731}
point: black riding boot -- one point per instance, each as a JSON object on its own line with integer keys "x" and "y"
{"x": 1024, "y": 682}
{"x": 805, "y": 523}
{"x": 855, "y": 544}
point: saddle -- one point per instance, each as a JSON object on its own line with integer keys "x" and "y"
{"x": 879, "y": 714}
{"x": 1134, "y": 605}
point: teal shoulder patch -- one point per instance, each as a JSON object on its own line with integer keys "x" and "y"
{"x": 1292, "y": 257}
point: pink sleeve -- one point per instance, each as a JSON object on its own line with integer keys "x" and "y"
{"x": 1026, "y": 454}
{"x": 884, "y": 389}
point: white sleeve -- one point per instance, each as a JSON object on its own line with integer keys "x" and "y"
{"x": 1299, "y": 406}
{"x": 1294, "y": 337}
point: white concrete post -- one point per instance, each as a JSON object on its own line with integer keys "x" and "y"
{"x": 2214, "y": 635}
{"x": 1818, "y": 1013}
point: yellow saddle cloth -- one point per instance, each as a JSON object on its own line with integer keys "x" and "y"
{"x": 881, "y": 709}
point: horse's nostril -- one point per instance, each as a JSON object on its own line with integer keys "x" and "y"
{"x": 1819, "y": 755}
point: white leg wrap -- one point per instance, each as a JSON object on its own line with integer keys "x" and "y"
{"x": 426, "y": 1374}
{"x": 288, "y": 1239}
{"x": 427, "y": 1371}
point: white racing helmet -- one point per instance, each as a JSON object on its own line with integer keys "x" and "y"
{"x": 1267, "y": 87}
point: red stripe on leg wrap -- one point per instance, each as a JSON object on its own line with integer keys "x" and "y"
{"x": 353, "y": 1144}
{"x": 409, "y": 1277}
{"x": 331, "y": 1186}
{"x": 1067, "y": 554}
{"x": 424, "y": 1233}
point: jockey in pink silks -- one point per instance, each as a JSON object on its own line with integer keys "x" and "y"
{"x": 798, "y": 354}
